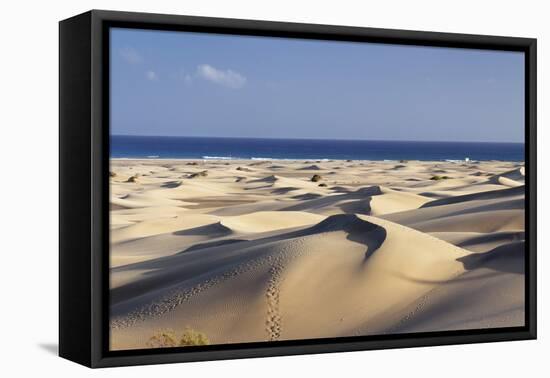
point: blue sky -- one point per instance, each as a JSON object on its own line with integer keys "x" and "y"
{"x": 187, "y": 84}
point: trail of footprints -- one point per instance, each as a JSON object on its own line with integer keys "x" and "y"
{"x": 181, "y": 294}
{"x": 273, "y": 321}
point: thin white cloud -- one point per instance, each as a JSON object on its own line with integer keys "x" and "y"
{"x": 151, "y": 75}
{"x": 130, "y": 55}
{"x": 184, "y": 76}
{"x": 226, "y": 78}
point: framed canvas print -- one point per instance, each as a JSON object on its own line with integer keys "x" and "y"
{"x": 234, "y": 188}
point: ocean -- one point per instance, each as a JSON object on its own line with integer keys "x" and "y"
{"x": 123, "y": 146}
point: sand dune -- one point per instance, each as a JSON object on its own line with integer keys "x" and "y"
{"x": 480, "y": 242}
{"x": 482, "y": 212}
{"x": 313, "y": 167}
{"x": 160, "y": 225}
{"x": 137, "y": 200}
{"x": 490, "y": 293}
{"x": 383, "y": 247}
{"x": 143, "y": 248}
{"x": 517, "y": 192}
{"x": 299, "y": 262}
{"x": 517, "y": 174}
{"x": 162, "y": 236}
{"x": 270, "y": 220}
{"x": 392, "y": 201}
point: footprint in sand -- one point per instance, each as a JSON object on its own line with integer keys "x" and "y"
{"x": 273, "y": 321}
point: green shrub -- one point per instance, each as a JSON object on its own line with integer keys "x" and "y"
{"x": 437, "y": 178}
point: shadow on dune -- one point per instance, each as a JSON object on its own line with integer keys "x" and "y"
{"x": 514, "y": 175}
{"x": 268, "y": 179}
{"x": 171, "y": 184}
{"x": 358, "y": 206}
{"x": 357, "y": 229}
{"x": 349, "y": 206}
{"x": 460, "y": 278}
{"x": 216, "y": 243}
{"x": 307, "y": 196}
{"x": 284, "y": 190}
{"x": 114, "y": 206}
{"x": 213, "y": 230}
{"x": 502, "y": 237}
{"x": 489, "y": 195}
{"x": 462, "y": 216}
{"x": 313, "y": 167}
{"x": 507, "y": 258}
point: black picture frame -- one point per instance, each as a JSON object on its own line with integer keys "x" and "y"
{"x": 84, "y": 187}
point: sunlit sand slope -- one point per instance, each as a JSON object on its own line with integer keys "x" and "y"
{"x": 257, "y": 251}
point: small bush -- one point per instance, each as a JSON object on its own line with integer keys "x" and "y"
{"x": 316, "y": 178}
{"x": 199, "y": 174}
{"x": 133, "y": 178}
{"x": 167, "y": 338}
{"x": 437, "y": 178}
{"x": 191, "y": 337}
{"x": 323, "y": 184}
{"x": 163, "y": 339}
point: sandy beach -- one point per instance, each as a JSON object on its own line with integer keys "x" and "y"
{"x": 247, "y": 251}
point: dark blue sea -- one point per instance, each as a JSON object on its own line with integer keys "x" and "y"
{"x": 308, "y": 149}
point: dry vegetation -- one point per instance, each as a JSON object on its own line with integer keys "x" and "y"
{"x": 167, "y": 338}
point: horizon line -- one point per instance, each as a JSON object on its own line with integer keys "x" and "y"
{"x": 308, "y": 138}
